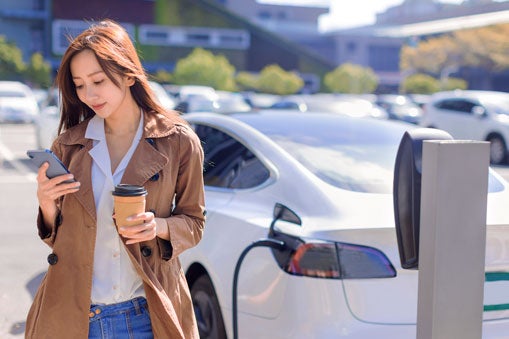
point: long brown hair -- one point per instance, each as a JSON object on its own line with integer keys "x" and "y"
{"x": 116, "y": 54}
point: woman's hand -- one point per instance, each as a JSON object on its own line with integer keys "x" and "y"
{"x": 48, "y": 190}
{"x": 144, "y": 230}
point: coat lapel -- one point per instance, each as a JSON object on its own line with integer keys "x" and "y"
{"x": 82, "y": 173}
{"x": 147, "y": 160}
{"x": 144, "y": 164}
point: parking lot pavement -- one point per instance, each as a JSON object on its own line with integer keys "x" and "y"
{"x": 22, "y": 253}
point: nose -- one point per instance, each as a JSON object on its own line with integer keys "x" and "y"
{"x": 90, "y": 93}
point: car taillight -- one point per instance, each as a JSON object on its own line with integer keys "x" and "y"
{"x": 331, "y": 260}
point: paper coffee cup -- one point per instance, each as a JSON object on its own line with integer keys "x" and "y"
{"x": 128, "y": 200}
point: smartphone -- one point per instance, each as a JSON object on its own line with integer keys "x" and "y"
{"x": 56, "y": 167}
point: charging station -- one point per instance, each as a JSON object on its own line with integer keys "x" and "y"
{"x": 440, "y": 205}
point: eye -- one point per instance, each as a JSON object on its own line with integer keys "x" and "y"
{"x": 78, "y": 86}
{"x": 98, "y": 82}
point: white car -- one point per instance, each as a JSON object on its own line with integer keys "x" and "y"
{"x": 322, "y": 184}
{"x": 164, "y": 98}
{"x": 472, "y": 115}
{"x": 17, "y": 103}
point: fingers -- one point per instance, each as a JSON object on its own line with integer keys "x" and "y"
{"x": 144, "y": 231}
{"x": 52, "y": 189}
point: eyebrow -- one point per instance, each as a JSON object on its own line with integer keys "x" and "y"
{"x": 89, "y": 75}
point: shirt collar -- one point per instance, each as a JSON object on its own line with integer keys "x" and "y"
{"x": 95, "y": 129}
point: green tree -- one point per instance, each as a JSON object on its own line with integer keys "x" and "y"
{"x": 11, "y": 60}
{"x": 201, "y": 67}
{"x": 275, "y": 80}
{"x": 162, "y": 76}
{"x": 453, "y": 83}
{"x": 38, "y": 71}
{"x": 351, "y": 78}
{"x": 486, "y": 48}
{"x": 246, "y": 81}
{"x": 420, "y": 84}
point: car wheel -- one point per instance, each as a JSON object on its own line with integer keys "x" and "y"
{"x": 498, "y": 151}
{"x": 207, "y": 310}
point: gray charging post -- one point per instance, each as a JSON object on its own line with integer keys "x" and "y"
{"x": 452, "y": 239}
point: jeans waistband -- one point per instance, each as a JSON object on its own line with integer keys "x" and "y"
{"x": 122, "y": 307}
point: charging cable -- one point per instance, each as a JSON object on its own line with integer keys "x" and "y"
{"x": 275, "y": 244}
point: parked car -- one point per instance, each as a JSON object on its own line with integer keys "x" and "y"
{"x": 420, "y": 99}
{"x": 400, "y": 107}
{"x": 224, "y": 102}
{"x": 46, "y": 124}
{"x": 164, "y": 98}
{"x": 322, "y": 184}
{"x": 351, "y": 105}
{"x": 18, "y": 103}
{"x": 472, "y": 115}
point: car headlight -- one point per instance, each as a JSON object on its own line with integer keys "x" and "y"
{"x": 331, "y": 260}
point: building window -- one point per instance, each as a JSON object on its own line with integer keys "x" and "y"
{"x": 351, "y": 47}
{"x": 159, "y": 35}
{"x": 37, "y": 40}
{"x": 264, "y": 15}
{"x": 63, "y": 31}
{"x": 384, "y": 58}
{"x": 39, "y": 5}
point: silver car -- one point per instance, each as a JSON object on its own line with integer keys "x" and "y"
{"x": 17, "y": 103}
{"x": 474, "y": 115}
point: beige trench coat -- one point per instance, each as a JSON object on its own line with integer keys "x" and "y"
{"x": 168, "y": 162}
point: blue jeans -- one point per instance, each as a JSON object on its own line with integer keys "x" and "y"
{"x": 128, "y": 319}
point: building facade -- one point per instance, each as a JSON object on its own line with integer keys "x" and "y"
{"x": 28, "y": 23}
{"x": 379, "y": 46}
{"x": 163, "y": 31}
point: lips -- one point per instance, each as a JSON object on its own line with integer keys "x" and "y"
{"x": 97, "y": 107}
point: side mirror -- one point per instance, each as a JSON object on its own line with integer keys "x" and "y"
{"x": 407, "y": 192}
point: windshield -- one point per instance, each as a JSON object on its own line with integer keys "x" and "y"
{"x": 497, "y": 104}
{"x": 356, "y": 154}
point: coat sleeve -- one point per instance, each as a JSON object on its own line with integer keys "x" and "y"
{"x": 48, "y": 234}
{"x": 187, "y": 220}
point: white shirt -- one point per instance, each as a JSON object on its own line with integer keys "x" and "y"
{"x": 114, "y": 276}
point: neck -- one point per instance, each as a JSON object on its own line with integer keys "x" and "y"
{"x": 127, "y": 124}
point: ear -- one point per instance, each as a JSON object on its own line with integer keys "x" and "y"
{"x": 130, "y": 81}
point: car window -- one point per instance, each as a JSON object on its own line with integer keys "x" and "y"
{"x": 457, "y": 105}
{"x": 228, "y": 163}
{"x": 12, "y": 94}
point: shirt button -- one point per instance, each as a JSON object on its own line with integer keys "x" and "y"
{"x": 116, "y": 255}
{"x": 91, "y": 315}
{"x": 115, "y": 287}
{"x": 97, "y": 311}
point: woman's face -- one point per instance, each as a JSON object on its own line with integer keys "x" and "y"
{"x": 96, "y": 90}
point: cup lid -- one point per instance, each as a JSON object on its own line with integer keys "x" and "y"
{"x": 127, "y": 190}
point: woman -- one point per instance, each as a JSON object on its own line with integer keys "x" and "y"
{"x": 102, "y": 282}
